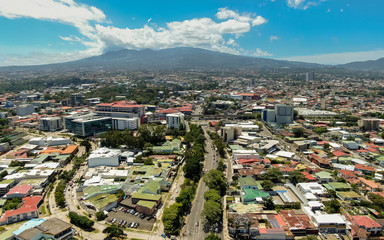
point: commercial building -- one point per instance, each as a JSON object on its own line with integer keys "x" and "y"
{"x": 50, "y": 124}
{"x": 125, "y": 123}
{"x": 28, "y": 210}
{"x": 369, "y": 124}
{"x": 50, "y": 141}
{"x": 92, "y": 101}
{"x": 104, "y": 157}
{"x": 4, "y": 147}
{"x": 330, "y": 223}
{"x": 3, "y": 115}
{"x": 25, "y": 109}
{"x": 120, "y": 109}
{"x": 76, "y": 99}
{"x": 175, "y": 120}
{"x": 87, "y": 125}
{"x": 282, "y": 114}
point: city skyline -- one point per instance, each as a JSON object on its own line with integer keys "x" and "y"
{"x": 319, "y": 31}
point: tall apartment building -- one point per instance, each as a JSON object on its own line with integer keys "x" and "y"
{"x": 50, "y": 124}
{"x": 282, "y": 114}
{"x": 370, "y": 124}
{"x": 125, "y": 123}
{"x": 76, "y": 99}
{"x": 175, "y": 120}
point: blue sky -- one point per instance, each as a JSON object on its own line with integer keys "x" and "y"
{"x": 322, "y": 31}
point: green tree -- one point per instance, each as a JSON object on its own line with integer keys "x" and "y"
{"x": 87, "y": 145}
{"x": 273, "y": 174}
{"x": 220, "y": 166}
{"x": 213, "y": 195}
{"x": 100, "y": 216}
{"x": 114, "y": 231}
{"x": 148, "y": 161}
{"x": 215, "y": 179}
{"x": 185, "y": 197}
{"x": 269, "y": 204}
{"x": 299, "y": 132}
{"x": 320, "y": 130}
{"x": 173, "y": 219}
{"x": 212, "y": 212}
{"x": 80, "y": 221}
{"x": 267, "y": 185}
{"x": 332, "y": 206}
{"x": 212, "y": 236}
{"x": 296, "y": 177}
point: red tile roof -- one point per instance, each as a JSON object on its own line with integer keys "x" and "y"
{"x": 22, "y": 189}
{"x": 365, "y": 221}
{"x": 364, "y": 167}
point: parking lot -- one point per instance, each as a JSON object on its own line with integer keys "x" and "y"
{"x": 144, "y": 224}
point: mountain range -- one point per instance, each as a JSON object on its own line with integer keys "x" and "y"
{"x": 185, "y": 58}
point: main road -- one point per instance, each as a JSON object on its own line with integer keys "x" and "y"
{"x": 193, "y": 228}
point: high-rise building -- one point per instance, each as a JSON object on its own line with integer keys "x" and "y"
{"x": 282, "y": 114}
{"x": 175, "y": 120}
{"x": 50, "y": 124}
{"x": 76, "y": 99}
{"x": 125, "y": 123}
{"x": 370, "y": 124}
{"x": 309, "y": 76}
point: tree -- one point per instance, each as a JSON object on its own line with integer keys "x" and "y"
{"x": 212, "y": 212}
{"x": 87, "y": 145}
{"x": 114, "y": 231}
{"x": 269, "y": 204}
{"x": 320, "y": 130}
{"x": 213, "y": 195}
{"x": 100, "y": 216}
{"x": 296, "y": 177}
{"x": 299, "y": 132}
{"x": 212, "y": 236}
{"x": 267, "y": 185}
{"x": 173, "y": 219}
{"x": 185, "y": 197}
{"x": 332, "y": 206}
{"x": 273, "y": 174}
{"x": 80, "y": 221}
{"x": 220, "y": 166}
{"x": 215, "y": 179}
{"x": 148, "y": 161}
{"x": 153, "y": 134}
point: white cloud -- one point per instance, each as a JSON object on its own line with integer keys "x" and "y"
{"x": 339, "y": 58}
{"x": 260, "y": 53}
{"x": 273, "y": 38}
{"x": 99, "y": 36}
{"x": 303, "y": 4}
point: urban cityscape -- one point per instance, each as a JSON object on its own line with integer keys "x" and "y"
{"x": 163, "y": 135}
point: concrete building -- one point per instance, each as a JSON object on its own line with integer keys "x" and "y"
{"x": 76, "y": 99}
{"x": 87, "y": 125}
{"x": 369, "y": 124}
{"x": 125, "y": 123}
{"x": 104, "y": 157}
{"x": 50, "y": 124}
{"x": 175, "y": 120}
{"x": 120, "y": 109}
{"x": 284, "y": 114}
{"x": 3, "y": 115}
{"x": 92, "y": 101}
{"x": 4, "y": 147}
{"x": 25, "y": 109}
{"x": 330, "y": 223}
{"x": 52, "y": 228}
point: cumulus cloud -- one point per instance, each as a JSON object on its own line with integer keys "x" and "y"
{"x": 99, "y": 36}
{"x": 303, "y": 4}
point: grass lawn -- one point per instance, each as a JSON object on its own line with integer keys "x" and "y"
{"x": 43, "y": 211}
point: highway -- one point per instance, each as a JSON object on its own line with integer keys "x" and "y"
{"x": 190, "y": 230}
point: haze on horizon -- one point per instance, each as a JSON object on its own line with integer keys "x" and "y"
{"x": 318, "y": 31}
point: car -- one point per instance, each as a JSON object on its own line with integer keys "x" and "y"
{"x": 137, "y": 214}
{"x": 132, "y": 224}
{"x": 120, "y": 208}
{"x": 197, "y": 224}
{"x": 136, "y": 225}
{"x": 149, "y": 218}
{"x": 142, "y": 216}
{"x": 53, "y": 205}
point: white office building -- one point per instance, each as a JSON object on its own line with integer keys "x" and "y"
{"x": 50, "y": 124}
{"x": 175, "y": 120}
{"x": 125, "y": 123}
{"x": 104, "y": 157}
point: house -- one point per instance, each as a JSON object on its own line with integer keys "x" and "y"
{"x": 28, "y": 210}
{"x": 253, "y": 196}
{"x": 364, "y": 169}
{"x": 371, "y": 185}
{"x": 367, "y": 224}
{"x": 323, "y": 177}
{"x": 299, "y": 223}
{"x": 52, "y": 228}
{"x": 19, "y": 191}
{"x": 338, "y": 186}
